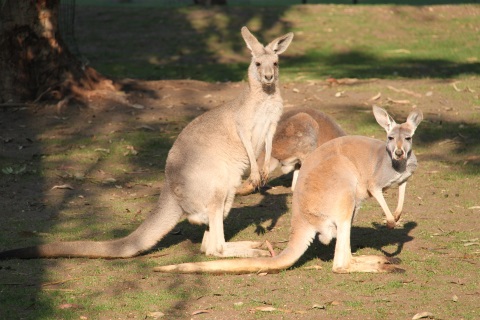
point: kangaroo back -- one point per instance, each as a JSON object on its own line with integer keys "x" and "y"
{"x": 302, "y": 130}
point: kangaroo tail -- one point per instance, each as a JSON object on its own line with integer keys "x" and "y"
{"x": 146, "y": 236}
{"x": 298, "y": 244}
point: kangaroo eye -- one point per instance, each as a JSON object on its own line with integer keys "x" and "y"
{"x": 275, "y": 64}
{"x": 390, "y": 138}
{"x": 408, "y": 138}
{"x": 257, "y": 64}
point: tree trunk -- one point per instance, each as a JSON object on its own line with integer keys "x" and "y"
{"x": 35, "y": 63}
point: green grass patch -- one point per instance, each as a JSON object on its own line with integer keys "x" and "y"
{"x": 331, "y": 41}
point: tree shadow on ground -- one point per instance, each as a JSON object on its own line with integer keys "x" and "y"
{"x": 360, "y": 64}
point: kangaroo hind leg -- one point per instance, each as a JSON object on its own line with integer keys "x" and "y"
{"x": 214, "y": 243}
{"x": 343, "y": 261}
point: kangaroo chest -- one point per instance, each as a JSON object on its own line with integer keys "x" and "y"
{"x": 398, "y": 177}
{"x": 266, "y": 115}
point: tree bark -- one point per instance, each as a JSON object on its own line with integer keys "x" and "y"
{"x": 35, "y": 63}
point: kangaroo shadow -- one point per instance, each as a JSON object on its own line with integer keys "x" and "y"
{"x": 376, "y": 237}
{"x": 268, "y": 211}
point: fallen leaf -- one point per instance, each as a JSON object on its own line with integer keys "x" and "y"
{"x": 399, "y": 51}
{"x": 474, "y": 207}
{"x": 130, "y": 150}
{"x": 238, "y": 304}
{"x": 315, "y": 267}
{"x": 405, "y": 91}
{"x": 265, "y": 309}
{"x": 69, "y": 306}
{"x": 398, "y": 101}
{"x": 454, "y": 298}
{"x": 319, "y": 306}
{"x": 137, "y": 106}
{"x": 62, "y": 186}
{"x": 79, "y": 176}
{"x": 155, "y": 314}
{"x": 262, "y": 274}
{"x": 376, "y": 97}
{"x": 468, "y": 244}
{"x": 109, "y": 180}
{"x": 347, "y": 80}
{"x": 296, "y": 90}
{"x": 146, "y": 127}
{"x": 339, "y": 94}
{"x": 422, "y": 315}
{"x": 102, "y": 150}
{"x": 454, "y": 84}
{"x": 194, "y": 313}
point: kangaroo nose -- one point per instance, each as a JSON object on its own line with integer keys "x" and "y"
{"x": 399, "y": 152}
{"x": 268, "y": 77}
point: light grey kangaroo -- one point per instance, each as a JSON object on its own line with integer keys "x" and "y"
{"x": 204, "y": 167}
{"x": 299, "y": 132}
{"x": 332, "y": 183}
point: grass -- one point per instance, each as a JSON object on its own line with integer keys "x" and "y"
{"x": 331, "y": 41}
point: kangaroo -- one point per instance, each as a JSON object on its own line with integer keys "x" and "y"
{"x": 299, "y": 132}
{"x": 332, "y": 183}
{"x": 203, "y": 168}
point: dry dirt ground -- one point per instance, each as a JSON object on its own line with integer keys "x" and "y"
{"x": 438, "y": 241}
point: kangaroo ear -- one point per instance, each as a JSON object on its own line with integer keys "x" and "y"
{"x": 414, "y": 118}
{"x": 252, "y": 43}
{"x": 383, "y": 118}
{"x": 281, "y": 44}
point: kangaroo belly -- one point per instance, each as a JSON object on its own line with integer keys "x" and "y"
{"x": 267, "y": 116}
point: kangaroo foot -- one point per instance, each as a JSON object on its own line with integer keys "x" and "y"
{"x": 371, "y": 263}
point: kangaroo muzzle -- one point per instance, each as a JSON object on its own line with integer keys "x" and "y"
{"x": 399, "y": 154}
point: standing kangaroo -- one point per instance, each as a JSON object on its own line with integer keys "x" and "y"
{"x": 203, "y": 169}
{"x": 299, "y": 132}
{"x": 332, "y": 183}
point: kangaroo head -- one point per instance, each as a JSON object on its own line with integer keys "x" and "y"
{"x": 264, "y": 66}
{"x": 399, "y": 136}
